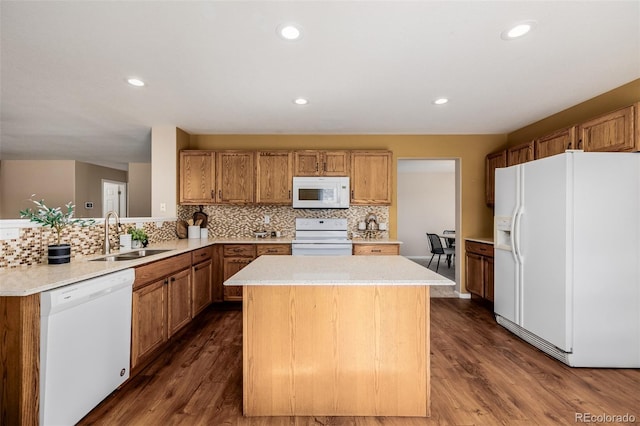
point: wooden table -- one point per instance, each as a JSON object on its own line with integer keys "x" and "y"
{"x": 336, "y": 336}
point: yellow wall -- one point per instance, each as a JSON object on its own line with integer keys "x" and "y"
{"x": 612, "y": 100}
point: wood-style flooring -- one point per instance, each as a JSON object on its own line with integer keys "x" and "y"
{"x": 481, "y": 375}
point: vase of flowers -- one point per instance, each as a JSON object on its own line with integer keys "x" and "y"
{"x": 57, "y": 219}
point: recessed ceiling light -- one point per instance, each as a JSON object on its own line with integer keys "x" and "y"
{"x": 300, "y": 101}
{"x": 135, "y": 82}
{"x": 289, "y": 31}
{"x": 518, "y": 30}
{"x": 441, "y": 101}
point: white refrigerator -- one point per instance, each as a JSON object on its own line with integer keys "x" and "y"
{"x": 567, "y": 256}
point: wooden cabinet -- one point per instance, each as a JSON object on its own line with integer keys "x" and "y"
{"x": 374, "y": 249}
{"x": 555, "y": 143}
{"x": 273, "y": 249}
{"x": 235, "y": 177}
{"x": 235, "y": 257}
{"x": 274, "y": 177}
{"x": 321, "y": 163}
{"x": 520, "y": 154}
{"x": 161, "y": 304}
{"x": 197, "y": 177}
{"x": 492, "y": 162}
{"x": 614, "y": 131}
{"x": 479, "y": 269}
{"x": 371, "y": 177}
{"x": 202, "y": 273}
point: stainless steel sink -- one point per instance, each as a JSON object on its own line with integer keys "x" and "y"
{"x": 129, "y": 255}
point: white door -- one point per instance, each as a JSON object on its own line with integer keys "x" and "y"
{"x": 114, "y": 196}
{"x": 506, "y": 282}
{"x": 544, "y": 247}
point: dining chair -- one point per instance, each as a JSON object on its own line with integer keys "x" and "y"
{"x": 450, "y": 242}
{"x": 436, "y": 248}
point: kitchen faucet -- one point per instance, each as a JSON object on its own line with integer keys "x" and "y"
{"x": 106, "y": 248}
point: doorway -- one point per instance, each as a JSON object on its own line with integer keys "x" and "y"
{"x": 429, "y": 201}
{"x": 114, "y": 197}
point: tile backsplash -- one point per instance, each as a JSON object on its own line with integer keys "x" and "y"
{"x": 30, "y": 248}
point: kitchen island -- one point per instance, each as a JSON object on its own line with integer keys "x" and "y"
{"x": 336, "y": 336}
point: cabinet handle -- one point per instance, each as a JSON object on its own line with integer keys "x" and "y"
{"x": 173, "y": 279}
{"x": 220, "y": 193}
{"x": 316, "y": 166}
{"x": 375, "y": 250}
{"x": 324, "y": 167}
{"x": 289, "y": 194}
{"x": 352, "y": 193}
{"x": 580, "y": 144}
{"x": 213, "y": 194}
{"x": 569, "y": 145}
{"x": 166, "y": 280}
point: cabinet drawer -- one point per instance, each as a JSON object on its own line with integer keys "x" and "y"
{"x": 376, "y": 249}
{"x": 273, "y": 249}
{"x": 239, "y": 250}
{"x": 156, "y": 270}
{"x": 200, "y": 255}
{"x": 479, "y": 248}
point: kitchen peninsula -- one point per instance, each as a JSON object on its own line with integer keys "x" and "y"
{"x": 336, "y": 336}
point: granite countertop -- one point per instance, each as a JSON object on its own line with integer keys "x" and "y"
{"x": 27, "y": 280}
{"x": 335, "y": 270}
{"x": 485, "y": 240}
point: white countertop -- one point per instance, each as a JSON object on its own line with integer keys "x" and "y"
{"x": 335, "y": 270}
{"x": 27, "y": 280}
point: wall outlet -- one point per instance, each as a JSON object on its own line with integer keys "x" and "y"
{"x": 163, "y": 207}
{"x": 267, "y": 219}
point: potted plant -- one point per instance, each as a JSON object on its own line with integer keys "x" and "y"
{"x": 57, "y": 219}
{"x": 138, "y": 237}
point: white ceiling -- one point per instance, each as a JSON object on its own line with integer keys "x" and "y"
{"x": 367, "y": 67}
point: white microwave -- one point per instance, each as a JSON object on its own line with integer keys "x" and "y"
{"x": 321, "y": 192}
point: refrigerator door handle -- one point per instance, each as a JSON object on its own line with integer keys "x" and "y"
{"x": 516, "y": 236}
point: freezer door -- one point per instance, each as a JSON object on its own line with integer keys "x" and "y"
{"x": 545, "y": 248}
{"x": 506, "y": 286}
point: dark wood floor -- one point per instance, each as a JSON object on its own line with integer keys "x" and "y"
{"x": 481, "y": 375}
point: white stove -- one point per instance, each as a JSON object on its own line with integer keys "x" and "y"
{"x": 321, "y": 237}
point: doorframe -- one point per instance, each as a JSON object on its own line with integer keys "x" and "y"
{"x": 458, "y": 212}
{"x": 122, "y": 198}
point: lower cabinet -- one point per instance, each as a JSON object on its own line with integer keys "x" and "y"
{"x": 202, "y": 274}
{"x": 376, "y": 249}
{"x": 479, "y": 269}
{"x": 237, "y": 256}
{"x": 161, "y": 304}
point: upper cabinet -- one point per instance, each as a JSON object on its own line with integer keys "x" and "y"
{"x": 274, "y": 176}
{"x": 609, "y": 132}
{"x": 556, "y": 143}
{"x": 520, "y": 154}
{"x": 321, "y": 163}
{"x": 492, "y": 162}
{"x": 235, "y": 177}
{"x": 371, "y": 177}
{"x": 197, "y": 177}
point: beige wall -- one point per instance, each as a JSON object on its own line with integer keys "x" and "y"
{"x": 139, "y": 188}
{"x": 610, "y": 101}
{"x": 88, "y": 183}
{"x": 51, "y": 180}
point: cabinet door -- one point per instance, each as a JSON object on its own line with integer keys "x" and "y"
{"x": 376, "y": 249}
{"x": 235, "y": 177}
{"x": 555, "y": 143}
{"x": 520, "y": 154}
{"x": 371, "y": 177}
{"x": 201, "y": 288}
{"x": 230, "y": 267}
{"x": 148, "y": 320}
{"x": 306, "y": 163}
{"x": 274, "y": 177}
{"x": 335, "y": 163}
{"x": 179, "y": 300}
{"x": 492, "y": 162}
{"x": 475, "y": 274}
{"x": 197, "y": 174}
{"x": 488, "y": 278}
{"x": 610, "y": 132}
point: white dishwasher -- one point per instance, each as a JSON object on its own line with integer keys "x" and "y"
{"x": 85, "y": 345}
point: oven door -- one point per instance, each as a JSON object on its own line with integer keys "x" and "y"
{"x": 321, "y": 249}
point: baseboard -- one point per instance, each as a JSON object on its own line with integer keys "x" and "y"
{"x": 462, "y": 295}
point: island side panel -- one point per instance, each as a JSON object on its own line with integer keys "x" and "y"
{"x": 336, "y": 350}
{"x": 20, "y": 360}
